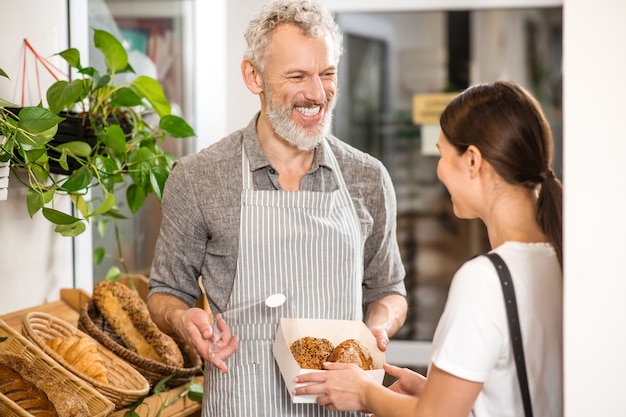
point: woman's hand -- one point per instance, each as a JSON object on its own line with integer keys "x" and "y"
{"x": 408, "y": 382}
{"x": 341, "y": 387}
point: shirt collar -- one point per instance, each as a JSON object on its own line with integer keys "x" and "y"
{"x": 257, "y": 158}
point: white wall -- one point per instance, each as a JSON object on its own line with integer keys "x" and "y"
{"x": 595, "y": 224}
{"x": 35, "y": 262}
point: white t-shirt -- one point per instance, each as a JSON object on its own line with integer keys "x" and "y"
{"x": 472, "y": 339}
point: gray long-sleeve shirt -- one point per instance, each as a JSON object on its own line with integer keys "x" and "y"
{"x": 201, "y": 216}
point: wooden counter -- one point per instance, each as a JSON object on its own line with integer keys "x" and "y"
{"x": 67, "y": 308}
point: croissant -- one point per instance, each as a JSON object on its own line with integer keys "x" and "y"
{"x": 82, "y": 353}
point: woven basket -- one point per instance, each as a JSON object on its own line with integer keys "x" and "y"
{"x": 125, "y": 385}
{"x": 93, "y": 323}
{"x": 97, "y": 404}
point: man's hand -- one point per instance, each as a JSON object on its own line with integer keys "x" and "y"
{"x": 193, "y": 326}
{"x": 197, "y": 331}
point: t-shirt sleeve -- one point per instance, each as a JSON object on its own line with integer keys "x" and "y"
{"x": 472, "y": 330}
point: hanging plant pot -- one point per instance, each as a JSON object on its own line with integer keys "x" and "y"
{"x": 76, "y": 127}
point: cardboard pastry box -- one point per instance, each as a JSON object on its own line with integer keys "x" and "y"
{"x": 336, "y": 331}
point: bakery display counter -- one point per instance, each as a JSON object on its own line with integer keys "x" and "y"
{"x": 68, "y": 308}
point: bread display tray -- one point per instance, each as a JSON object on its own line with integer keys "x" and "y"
{"x": 336, "y": 331}
{"x": 91, "y": 322}
{"x": 125, "y": 386}
{"x": 97, "y": 404}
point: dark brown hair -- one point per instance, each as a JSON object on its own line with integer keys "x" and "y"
{"x": 507, "y": 125}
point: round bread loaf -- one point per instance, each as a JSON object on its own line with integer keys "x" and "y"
{"x": 36, "y": 391}
{"x": 352, "y": 351}
{"x": 311, "y": 352}
{"x": 125, "y": 311}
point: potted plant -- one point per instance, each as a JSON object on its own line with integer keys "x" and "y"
{"x": 95, "y": 133}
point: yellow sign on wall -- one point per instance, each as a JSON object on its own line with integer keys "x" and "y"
{"x": 428, "y": 107}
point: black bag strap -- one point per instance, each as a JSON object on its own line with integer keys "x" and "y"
{"x": 514, "y": 329}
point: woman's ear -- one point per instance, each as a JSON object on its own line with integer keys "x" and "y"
{"x": 474, "y": 160}
{"x": 251, "y": 77}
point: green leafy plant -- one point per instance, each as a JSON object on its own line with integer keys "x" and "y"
{"x": 192, "y": 390}
{"x": 124, "y": 153}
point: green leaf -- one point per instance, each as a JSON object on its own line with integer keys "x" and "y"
{"x": 101, "y": 225}
{"x": 107, "y": 204}
{"x": 3, "y": 338}
{"x": 115, "y": 139}
{"x": 110, "y": 173}
{"x": 135, "y": 197}
{"x": 62, "y": 95}
{"x": 79, "y": 180}
{"x": 151, "y": 90}
{"x": 162, "y": 385}
{"x": 63, "y": 161}
{"x": 38, "y": 120}
{"x": 80, "y": 204}
{"x": 113, "y": 274}
{"x": 3, "y": 74}
{"x": 126, "y": 97}
{"x": 34, "y": 202}
{"x": 98, "y": 255}
{"x": 141, "y": 162}
{"x": 71, "y": 230}
{"x": 77, "y": 148}
{"x": 158, "y": 176}
{"x": 115, "y": 56}
{"x": 58, "y": 217}
{"x": 72, "y": 57}
{"x": 195, "y": 392}
{"x": 176, "y": 126}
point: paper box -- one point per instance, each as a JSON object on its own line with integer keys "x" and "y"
{"x": 336, "y": 331}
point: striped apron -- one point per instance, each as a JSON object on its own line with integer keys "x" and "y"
{"x": 307, "y": 245}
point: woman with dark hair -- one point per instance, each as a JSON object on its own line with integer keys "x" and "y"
{"x": 496, "y": 154}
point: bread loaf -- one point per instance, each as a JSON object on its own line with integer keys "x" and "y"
{"x": 311, "y": 352}
{"x": 125, "y": 311}
{"x": 352, "y": 351}
{"x": 82, "y": 353}
{"x": 36, "y": 391}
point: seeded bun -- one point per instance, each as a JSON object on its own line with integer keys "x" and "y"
{"x": 311, "y": 352}
{"x": 352, "y": 351}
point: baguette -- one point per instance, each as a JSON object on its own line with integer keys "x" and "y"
{"x": 36, "y": 391}
{"x": 127, "y": 314}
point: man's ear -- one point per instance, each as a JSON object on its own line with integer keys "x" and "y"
{"x": 251, "y": 77}
{"x": 474, "y": 160}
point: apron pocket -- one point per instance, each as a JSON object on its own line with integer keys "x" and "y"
{"x": 235, "y": 393}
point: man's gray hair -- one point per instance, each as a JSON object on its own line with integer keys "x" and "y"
{"x": 312, "y": 19}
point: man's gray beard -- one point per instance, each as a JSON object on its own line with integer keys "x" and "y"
{"x": 280, "y": 119}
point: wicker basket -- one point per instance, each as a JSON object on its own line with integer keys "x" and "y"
{"x": 97, "y": 404}
{"x": 125, "y": 385}
{"x": 92, "y": 322}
